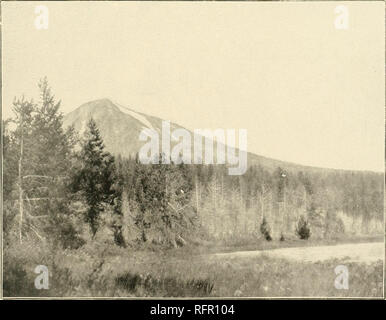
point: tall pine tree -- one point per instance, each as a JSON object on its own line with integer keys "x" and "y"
{"x": 94, "y": 179}
{"x": 37, "y": 163}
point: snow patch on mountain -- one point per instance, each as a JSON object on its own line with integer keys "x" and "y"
{"x": 141, "y": 118}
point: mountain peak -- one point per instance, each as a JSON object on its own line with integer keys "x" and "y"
{"x": 100, "y": 104}
{"x": 119, "y": 125}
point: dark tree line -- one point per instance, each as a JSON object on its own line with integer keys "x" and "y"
{"x": 226, "y": 206}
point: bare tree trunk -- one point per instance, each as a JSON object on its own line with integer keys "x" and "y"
{"x": 262, "y": 201}
{"x": 20, "y": 204}
{"x": 284, "y": 212}
{"x": 20, "y": 184}
{"x": 215, "y": 194}
{"x": 222, "y": 188}
{"x": 197, "y": 198}
{"x": 305, "y": 200}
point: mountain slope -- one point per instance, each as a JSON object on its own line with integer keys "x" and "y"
{"x": 120, "y": 127}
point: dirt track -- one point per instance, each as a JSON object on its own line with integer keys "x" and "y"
{"x": 357, "y": 252}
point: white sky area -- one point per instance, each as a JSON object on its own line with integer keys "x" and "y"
{"x": 305, "y": 91}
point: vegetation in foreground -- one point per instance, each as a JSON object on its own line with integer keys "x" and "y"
{"x": 111, "y": 271}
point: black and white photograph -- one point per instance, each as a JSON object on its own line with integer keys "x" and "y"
{"x": 193, "y": 149}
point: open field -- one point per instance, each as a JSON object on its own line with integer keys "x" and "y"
{"x": 358, "y": 252}
{"x": 113, "y": 271}
{"x": 261, "y": 244}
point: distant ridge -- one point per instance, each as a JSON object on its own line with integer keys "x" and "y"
{"x": 120, "y": 127}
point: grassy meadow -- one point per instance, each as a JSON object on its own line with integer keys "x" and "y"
{"x": 110, "y": 271}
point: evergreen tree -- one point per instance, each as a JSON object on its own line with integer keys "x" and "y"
{"x": 10, "y": 161}
{"x": 163, "y": 194}
{"x": 265, "y": 230}
{"x": 94, "y": 179}
{"x": 53, "y": 144}
{"x": 37, "y": 163}
{"x": 303, "y": 229}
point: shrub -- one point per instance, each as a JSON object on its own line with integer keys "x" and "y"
{"x": 16, "y": 282}
{"x": 265, "y": 230}
{"x": 303, "y": 229}
{"x": 19, "y": 263}
{"x": 148, "y": 285}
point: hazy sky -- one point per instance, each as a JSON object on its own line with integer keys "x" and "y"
{"x": 305, "y": 91}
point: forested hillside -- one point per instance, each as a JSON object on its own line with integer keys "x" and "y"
{"x": 234, "y": 207}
